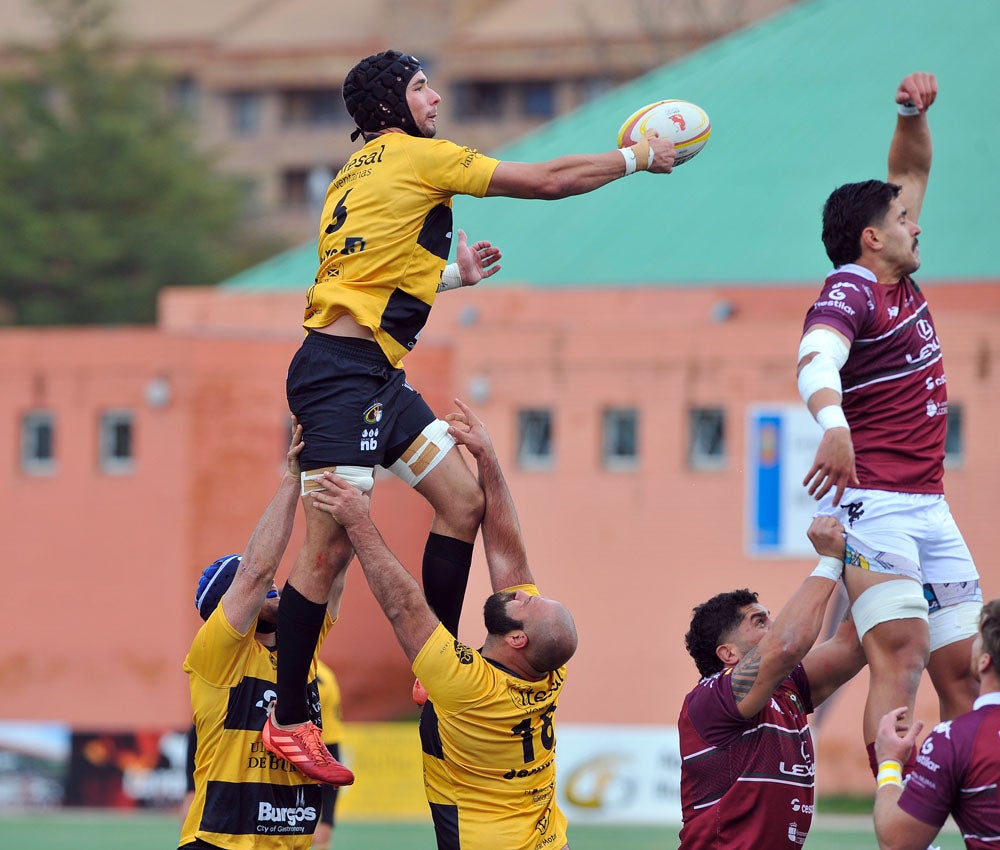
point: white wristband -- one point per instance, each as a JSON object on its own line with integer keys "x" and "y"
{"x": 832, "y": 416}
{"x": 451, "y": 278}
{"x": 908, "y": 109}
{"x": 629, "y": 156}
{"x": 829, "y": 567}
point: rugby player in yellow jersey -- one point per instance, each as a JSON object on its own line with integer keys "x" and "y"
{"x": 245, "y": 797}
{"x": 384, "y": 239}
{"x": 490, "y": 756}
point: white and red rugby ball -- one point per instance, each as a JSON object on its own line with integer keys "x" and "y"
{"x": 684, "y": 123}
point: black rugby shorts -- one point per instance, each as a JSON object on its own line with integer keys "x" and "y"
{"x": 354, "y": 407}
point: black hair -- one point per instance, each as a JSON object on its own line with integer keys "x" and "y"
{"x": 848, "y": 211}
{"x": 710, "y": 623}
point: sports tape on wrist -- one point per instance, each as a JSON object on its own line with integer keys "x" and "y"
{"x": 629, "y": 156}
{"x": 451, "y": 278}
{"x": 831, "y": 416}
{"x": 829, "y": 567}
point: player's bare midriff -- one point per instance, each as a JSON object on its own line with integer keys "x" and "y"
{"x": 346, "y": 326}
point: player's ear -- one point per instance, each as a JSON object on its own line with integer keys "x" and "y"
{"x": 518, "y": 639}
{"x": 727, "y": 654}
{"x": 871, "y": 239}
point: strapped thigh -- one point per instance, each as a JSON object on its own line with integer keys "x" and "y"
{"x": 889, "y": 600}
{"x": 424, "y": 453}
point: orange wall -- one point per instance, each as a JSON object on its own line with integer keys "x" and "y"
{"x": 102, "y": 569}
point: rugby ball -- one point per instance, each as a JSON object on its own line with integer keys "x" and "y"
{"x": 684, "y": 123}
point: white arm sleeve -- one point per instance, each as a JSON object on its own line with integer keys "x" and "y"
{"x": 823, "y": 371}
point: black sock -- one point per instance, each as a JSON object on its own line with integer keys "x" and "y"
{"x": 445, "y": 573}
{"x": 299, "y": 624}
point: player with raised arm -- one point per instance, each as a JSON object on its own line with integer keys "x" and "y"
{"x": 384, "y": 239}
{"x": 491, "y": 739}
{"x": 871, "y": 373}
{"x": 748, "y": 766}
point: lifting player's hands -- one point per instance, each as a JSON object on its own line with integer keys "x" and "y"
{"x": 476, "y": 262}
{"x": 895, "y": 739}
{"x": 342, "y": 500}
{"x": 467, "y": 430}
{"x": 918, "y": 88}
{"x": 833, "y": 466}
{"x": 295, "y": 449}
{"x": 827, "y": 536}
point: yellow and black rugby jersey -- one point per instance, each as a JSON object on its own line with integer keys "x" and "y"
{"x": 329, "y": 699}
{"x": 386, "y": 233}
{"x": 489, "y": 739}
{"x": 245, "y": 797}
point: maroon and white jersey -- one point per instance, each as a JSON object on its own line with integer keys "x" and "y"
{"x": 894, "y": 392}
{"x": 746, "y": 783}
{"x": 957, "y": 772}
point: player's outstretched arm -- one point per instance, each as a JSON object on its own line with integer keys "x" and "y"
{"x": 574, "y": 174}
{"x": 395, "y": 590}
{"x": 794, "y": 630}
{"x": 911, "y": 150}
{"x": 263, "y": 552}
{"x": 502, "y": 541}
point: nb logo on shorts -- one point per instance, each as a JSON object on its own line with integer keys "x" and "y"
{"x": 369, "y": 440}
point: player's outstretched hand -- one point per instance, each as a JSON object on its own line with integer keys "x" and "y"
{"x": 341, "y": 499}
{"x": 827, "y": 536}
{"x": 477, "y": 261}
{"x": 833, "y": 466}
{"x": 919, "y": 88}
{"x": 467, "y": 430}
{"x": 895, "y": 738}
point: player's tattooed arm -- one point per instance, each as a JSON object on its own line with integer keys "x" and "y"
{"x": 744, "y": 675}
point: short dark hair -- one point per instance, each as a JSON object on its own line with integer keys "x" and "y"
{"x": 710, "y": 622}
{"x": 989, "y": 625}
{"x": 848, "y": 211}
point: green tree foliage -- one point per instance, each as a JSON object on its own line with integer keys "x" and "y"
{"x": 104, "y": 197}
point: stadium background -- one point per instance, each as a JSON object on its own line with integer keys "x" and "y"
{"x": 661, "y": 296}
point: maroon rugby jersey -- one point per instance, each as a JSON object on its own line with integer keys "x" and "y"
{"x": 893, "y": 382}
{"x": 746, "y": 784}
{"x": 958, "y": 771}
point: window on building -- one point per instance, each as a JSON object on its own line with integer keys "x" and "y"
{"x": 479, "y": 100}
{"x": 184, "y": 95}
{"x": 620, "y": 438}
{"x": 538, "y": 99}
{"x": 311, "y": 107}
{"x": 954, "y": 441}
{"x": 116, "y": 441}
{"x": 38, "y": 443}
{"x": 244, "y": 112}
{"x": 706, "y": 438}
{"x": 534, "y": 439}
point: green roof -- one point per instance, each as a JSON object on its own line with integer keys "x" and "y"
{"x": 799, "y": 103}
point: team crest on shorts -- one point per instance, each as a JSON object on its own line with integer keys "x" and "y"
{"x": 373, "y": 414}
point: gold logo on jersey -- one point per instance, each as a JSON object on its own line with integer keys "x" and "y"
{"x": 373, "y": 414}
{"x": 463, "y": 653}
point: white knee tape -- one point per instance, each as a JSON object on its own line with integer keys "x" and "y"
{"x": 954, "y": 623}
{"x": 424, "y": 453}
{"x": 362, "y": 477}
{"x": 899, "y": 599}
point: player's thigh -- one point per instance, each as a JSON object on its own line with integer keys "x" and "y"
{"x": 452, "y": 489}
